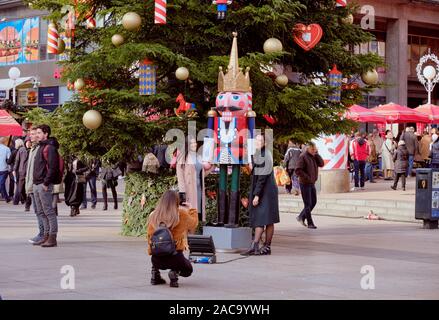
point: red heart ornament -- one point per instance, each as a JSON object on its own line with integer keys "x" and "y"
{"x": 307, "y": 36}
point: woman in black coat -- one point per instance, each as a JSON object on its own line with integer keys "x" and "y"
{"x": 74, "y": 182}
{"x": 264, "y": 199}
{"x": 401, "y": 158}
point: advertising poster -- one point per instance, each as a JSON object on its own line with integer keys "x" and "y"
{"x": 28, "y": 97}
{"x": 19, "y": 41}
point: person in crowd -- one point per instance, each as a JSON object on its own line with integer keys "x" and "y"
{"x": 91, "y": 176}
{"x": 424, "y": 147}
{"x": 159, "y": 151}
{"x": 411, "y": 142}
{"x": 360, "y": 151}
{"x": 308, "y": 171}
{"x": 401, "y": 158}
{"x": 29, "y": 183}
{"x": 290, "y": 160}
{"x": 378, "y": 142}
{"x": 5, "y": 154}
{"x": 263, "y": 199}
{"x": 434, "y": 151}
{"x": 387, "y": 151}
{"x": 74, "y": 185}
{"x": 11, "y": 162}
{"x": 190, "y": 176}
{"x": 28, "y": 144}
{"x": 372, "y": 159}
{"x": 19, "y": 171}
{"x": 45, "y": 174}
{"x": 180, "y": 219}
{"x": 109, "y": 176}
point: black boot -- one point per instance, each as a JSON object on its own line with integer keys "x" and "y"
{"x": 222, "y": 208}
{"x": 115, "y": 204}
{"x": 156, "y": 279}
{"x": 72, "y": 212}
{"x": 252, "y": 251}
{"x": 233, "y": 210}
{"x": 173, "y": 276}
{"x": 265, "y": 250}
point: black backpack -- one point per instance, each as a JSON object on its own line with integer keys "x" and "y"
{"x": 162, "y": 242}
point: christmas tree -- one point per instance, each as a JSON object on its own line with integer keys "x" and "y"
{"x": 109, "y": 59}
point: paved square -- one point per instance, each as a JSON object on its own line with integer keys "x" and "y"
{"x": 305, "y": 264}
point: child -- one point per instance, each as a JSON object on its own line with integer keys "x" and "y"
{"x": 401, "y": 158}
{"x": 180, "y": 220}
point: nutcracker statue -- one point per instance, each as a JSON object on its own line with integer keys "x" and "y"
{"x": 230, "y": 141}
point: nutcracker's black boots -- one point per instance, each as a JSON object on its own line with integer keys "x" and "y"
{"x": 233, "y": 210}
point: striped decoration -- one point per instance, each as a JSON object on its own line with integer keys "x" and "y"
{"x": 160, "y": 12}
{"x": 341, "y": 3}
{"x": 91, "y": 22}
{"x": 52, "y": 39}
{"x": 147, "y": 78}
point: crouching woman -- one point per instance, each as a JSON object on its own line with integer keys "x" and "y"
{"x": 179, "y": 220}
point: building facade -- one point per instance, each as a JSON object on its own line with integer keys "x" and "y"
{"x": 405, "y": 30}
{"x": 23, "y": 44}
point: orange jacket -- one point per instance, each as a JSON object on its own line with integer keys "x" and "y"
{"x": 188, "y": 223}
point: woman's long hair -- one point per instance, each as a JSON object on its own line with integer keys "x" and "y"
{"x": 166, "y": 211}
{"x": 182, "y": 159}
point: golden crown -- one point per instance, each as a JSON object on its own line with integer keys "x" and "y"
{"x": 234, "y": 79}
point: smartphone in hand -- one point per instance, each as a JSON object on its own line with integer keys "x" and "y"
{"x": 182, "y": 198}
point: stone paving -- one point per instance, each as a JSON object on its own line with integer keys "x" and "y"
{"x": 305, "y": 264}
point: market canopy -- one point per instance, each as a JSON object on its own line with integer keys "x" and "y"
{"x": 8, "y": 84}
{"x": 8, "y": 125}
{"x": 395, "y": 113}
{"x": 430, "y": 110}
{"x": 360, "y": 114}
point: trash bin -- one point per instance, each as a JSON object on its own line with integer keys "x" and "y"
{"x": 427, "y": 197}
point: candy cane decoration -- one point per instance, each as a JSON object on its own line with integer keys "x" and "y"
{"x": 160, "y": 12}
{"x": 341, "y": 3}
{"x": 91, "y": 22}
{"x": 52, "y": 39}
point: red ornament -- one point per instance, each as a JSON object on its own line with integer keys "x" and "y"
{"x": 341, "y": 3}
{"x": 307, "y": 37}
{"x": 270, "y": 119}
{"x": 185, "y": 107}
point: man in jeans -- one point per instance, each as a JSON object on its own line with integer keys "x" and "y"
{"x": 360, "y": 153}
{"x": 5, "y": 153}
{"x": 29, "y": 183}
{"x": 45, "y": 175}
{"x": 307, "y": 169}
{"x": 91, "y": 181}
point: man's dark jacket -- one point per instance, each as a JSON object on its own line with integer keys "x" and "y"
{"x": 46, "y": 172}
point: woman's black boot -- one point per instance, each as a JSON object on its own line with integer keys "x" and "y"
{"x": 265, "y": 250}
{"x": 252, "y": 251}
{"x": 156, "y": 279}
{"x": 173, "y": 276}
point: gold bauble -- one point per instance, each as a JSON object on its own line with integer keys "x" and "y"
{"x": 349, "y": 19}
{"x": 117, "y": 40}
{"x": 79, "y": 84}
{"x": 272, "y": 45}
{"x": 182, "y": 73}
{"x": 370, "y": 77}
{"x": 131, "y": 21}
{"x": 282, "y": 80}
{"x": 61, "y": 46}
{"x": 92, "y": 119}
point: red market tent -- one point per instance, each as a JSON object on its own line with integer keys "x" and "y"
{"x": 431, "y": 111}
{"x": 8, "y": 125}
{"x": 360, "y": 114}
{"x": 394, "y": 113}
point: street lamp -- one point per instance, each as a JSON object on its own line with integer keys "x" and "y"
{"x": 428, "y": 76}
{"x": 14, "y": 74}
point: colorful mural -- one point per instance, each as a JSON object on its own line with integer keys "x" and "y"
{"x": 19, "y": 41}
